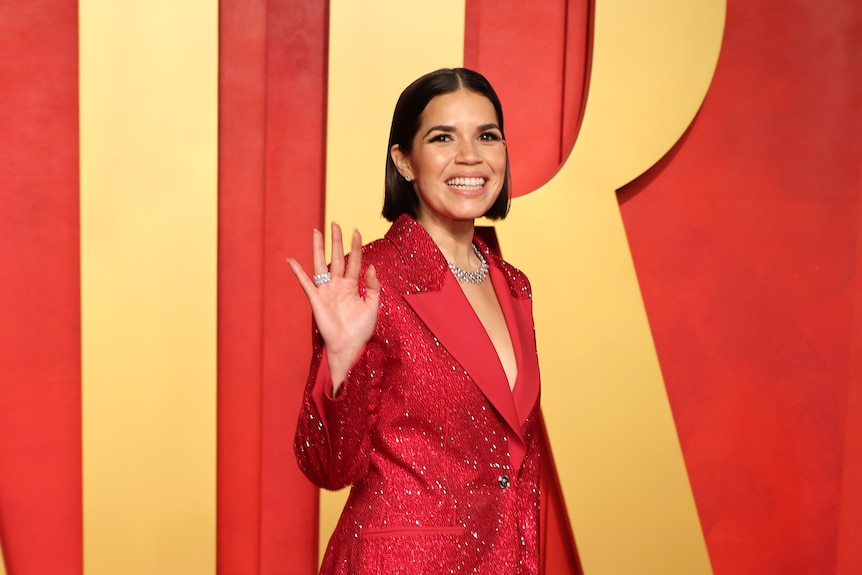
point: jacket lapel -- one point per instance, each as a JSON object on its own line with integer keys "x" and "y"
{"x": 451, "y": 319}
{"x": 519, "y": 317}
{"x": 438, "y": 300}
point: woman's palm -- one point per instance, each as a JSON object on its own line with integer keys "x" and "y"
{"x": 344, "y": 317}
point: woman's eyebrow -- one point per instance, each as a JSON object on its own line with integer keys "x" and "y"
{"x": 439, "y": 129}
{"x": 449, "y": 129}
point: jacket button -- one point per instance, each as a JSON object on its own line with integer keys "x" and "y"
{"x": 504, "y": 481}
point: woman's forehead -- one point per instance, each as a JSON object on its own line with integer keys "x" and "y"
{"x": 460, "y": 106}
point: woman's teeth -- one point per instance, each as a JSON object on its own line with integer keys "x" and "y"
{"x": 465, "y": 183}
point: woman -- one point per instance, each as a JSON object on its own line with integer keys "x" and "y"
{"x": 424, "y": 385}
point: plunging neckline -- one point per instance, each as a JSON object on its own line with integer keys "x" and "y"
{"x": 500, "y": 290}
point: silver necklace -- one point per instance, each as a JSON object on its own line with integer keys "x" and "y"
{"x": 474, "y": 277}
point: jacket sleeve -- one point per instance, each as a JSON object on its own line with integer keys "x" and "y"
{"x": 332, "y": 441}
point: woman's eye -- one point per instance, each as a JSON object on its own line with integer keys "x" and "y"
{"x": 490, "y": 137}
{"x": 440, "y": 138}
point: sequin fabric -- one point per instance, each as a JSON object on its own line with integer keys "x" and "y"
{"x": 435, "y": 488}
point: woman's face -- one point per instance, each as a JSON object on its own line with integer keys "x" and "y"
{"x": 458, "y": 160}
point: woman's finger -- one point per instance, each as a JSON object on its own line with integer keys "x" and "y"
{"x": 355, "y": 261}
{"x": 319, "y": 258}
{"x": 372, "y": 285}
{"x": 336, "y": 265}
{"x": 304, "y": 282}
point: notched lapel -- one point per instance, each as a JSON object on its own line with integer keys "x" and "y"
{"x": 434, "y": 294}
{"x": 451, "y": 319}
{"x": 519, "y": 318}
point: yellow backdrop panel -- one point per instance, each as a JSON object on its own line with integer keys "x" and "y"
{"x": 148, "y": 87}
{"x": 376, "y": 48}
{"x": 2, "y": 562}
{"x": 604, "y": 400}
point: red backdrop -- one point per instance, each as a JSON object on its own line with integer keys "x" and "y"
{"x": 746, "y": 245}
{"x": 40, "y": 325}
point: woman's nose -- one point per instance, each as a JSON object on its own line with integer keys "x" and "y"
{"x": 467, "y": 152}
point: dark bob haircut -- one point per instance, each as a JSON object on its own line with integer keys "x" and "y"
{"x": 400, "y": 197}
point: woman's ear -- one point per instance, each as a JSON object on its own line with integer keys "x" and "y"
{"x": 401, "y": 161}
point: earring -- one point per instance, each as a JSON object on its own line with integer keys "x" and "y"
{"x": 408, "y": 178}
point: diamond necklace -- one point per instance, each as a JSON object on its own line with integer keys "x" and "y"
{"x": 474, "y": 277}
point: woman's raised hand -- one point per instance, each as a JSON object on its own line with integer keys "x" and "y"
{"x": 344, "y": 318}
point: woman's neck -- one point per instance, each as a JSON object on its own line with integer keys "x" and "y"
{"x": 454, "y": 238}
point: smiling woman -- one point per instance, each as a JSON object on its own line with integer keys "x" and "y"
{"x": 424, "y": 387}
{"x": 457, "y": 160}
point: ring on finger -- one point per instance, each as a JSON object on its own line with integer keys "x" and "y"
{"x": 320, "y": 279}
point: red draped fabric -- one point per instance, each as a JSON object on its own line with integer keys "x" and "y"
{"x": 40, "y": 320}
{"x": 272, "y": 91}
{"x": 536, "y": 55}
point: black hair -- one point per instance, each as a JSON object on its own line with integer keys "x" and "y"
{"x": 400, "y": 197}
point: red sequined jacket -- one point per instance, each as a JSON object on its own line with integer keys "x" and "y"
{"x": 442, "y": 457}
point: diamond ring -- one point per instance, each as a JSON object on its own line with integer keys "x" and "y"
{"x": 320, "y": 279}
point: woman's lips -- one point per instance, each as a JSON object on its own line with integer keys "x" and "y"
{"x": 466, "y": 183}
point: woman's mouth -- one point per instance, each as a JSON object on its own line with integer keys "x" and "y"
{"x": 466, "y": 183}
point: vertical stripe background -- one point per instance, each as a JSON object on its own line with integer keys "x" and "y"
{"x": 40, "y": 384}
{"x": 272, "y": 90}
{"x": 242, "y": 122}
{"x": 272, "y": 64}
{"x": 148, "y": 86}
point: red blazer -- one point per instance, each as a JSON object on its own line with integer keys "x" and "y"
{"x": 442, "y": 457}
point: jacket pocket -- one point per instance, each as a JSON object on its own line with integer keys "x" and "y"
{"x": 409, "y": 531}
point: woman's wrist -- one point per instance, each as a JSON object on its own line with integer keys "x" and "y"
{"x": 339, "y": 365}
